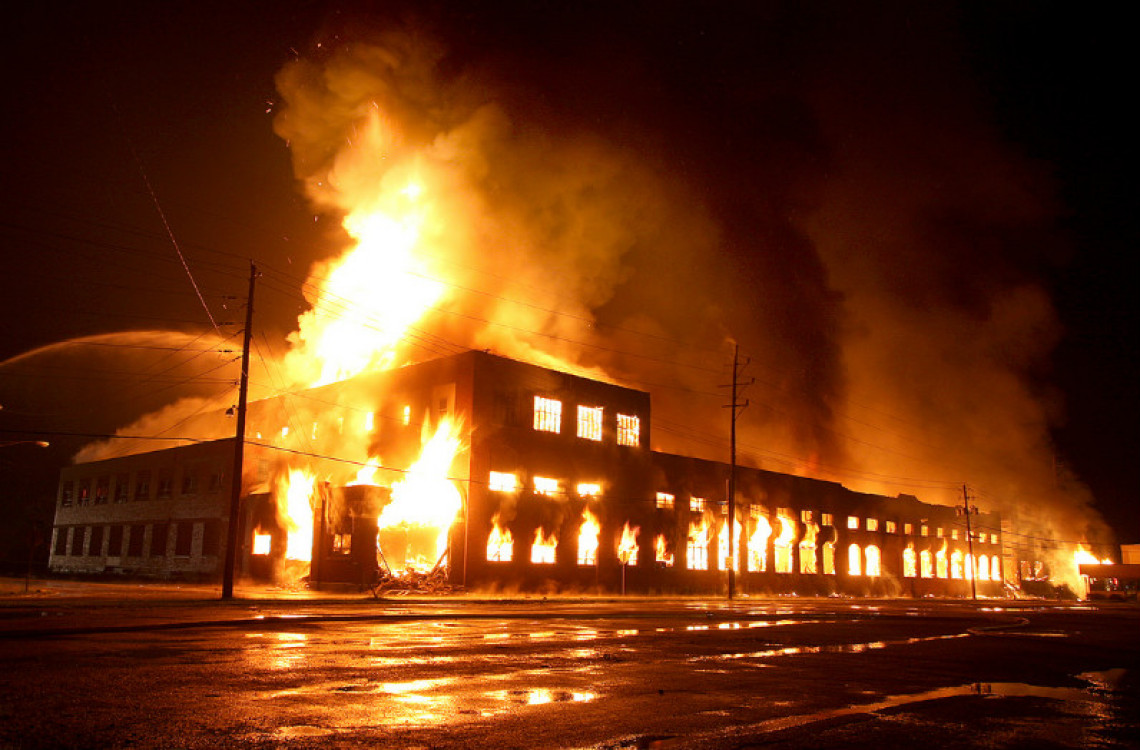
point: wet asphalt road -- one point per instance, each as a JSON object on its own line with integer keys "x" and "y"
{"x": 353, "y": 672}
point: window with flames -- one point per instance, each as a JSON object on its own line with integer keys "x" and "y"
{"x": 590, "y": 422}
{"x": 501, "y": 481}
{"x": 628, "y": 430}
{"x": 547, "y": 414}
{"x": 547, "y": 486}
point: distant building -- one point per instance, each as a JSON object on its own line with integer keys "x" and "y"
{"x": 557, "y": 488}
{"x": 1114, "y": 581}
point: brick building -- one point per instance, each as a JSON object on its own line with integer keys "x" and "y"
{"x": 558, "y": 489}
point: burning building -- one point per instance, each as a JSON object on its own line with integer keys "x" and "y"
{"x": 504, "y": 475}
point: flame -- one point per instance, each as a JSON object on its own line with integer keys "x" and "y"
{"x": 808, "y": 563}
{"x": 854, "y": 560}
{"x": 956, "y": 564}
{"x": 661, "y": 553}
{"x": 294, "y": 505}
{"x": 1081, "y": 556}
{"x": 941, "y": 564}
{"x": 1084, "y": 557}
{"x": 426, "y": 497}
{"x": 829, "y": 558}
{"x": 367, "y": 474}
{"x": 910, "y": 562}
{"x": 627, "y": 548}
{"x": 758, "y": 545}
{"x": 369, "y": 297}
{"x": 698, "y": 547}
{"x": 874, "y": 565}
{"x": 783, "y": 543}
{"x": 542, "y": 552}
{"x": 262, "y": 544}
{"x": 723, "y": 548}
{"x": 588, "y": 539}
{"x": 500, "y": 544}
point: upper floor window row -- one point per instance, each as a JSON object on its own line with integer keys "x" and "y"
{"x": 588, "y": 425}
{"x": 123, "y": 486}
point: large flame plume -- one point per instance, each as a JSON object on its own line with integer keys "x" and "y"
{"x": 884, "y": 382}
{"x": 427, "y": 497}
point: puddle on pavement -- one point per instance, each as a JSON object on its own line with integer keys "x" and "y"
{"x": 285, "y": 651}
{"x": 432, "y": 701}
{"x": 1093, "y": 693}
{"x": 541, "y": 696}
{"x": 837, "y": 648}
{"x": 302, "y": 731}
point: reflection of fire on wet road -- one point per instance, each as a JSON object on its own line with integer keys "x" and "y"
{"x": 433, "y": 674}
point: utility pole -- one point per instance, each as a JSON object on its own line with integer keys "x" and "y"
{"x": 970, "y": 543}
{"x": 736, "y": 408}
{"x": 239, "y": 447}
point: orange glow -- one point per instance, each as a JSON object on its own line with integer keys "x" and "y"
{"x": 874, "y": 565}
{"x": 1083, "y": 557}
{"x": 262, "y": 544}
{"x": 367, "y": 474}
{"x": 854, "y": 560}
{"x": 500, "y": 544}
{"x": 784, "y": 542}
{"x": 590, "y": 422}
{"x": 589, "y": 489}
{"x": 829, "y": 558}
{"x": 941, "y": 564}
{"x": 294, "y": 505}
{"x": 385, "y": 278}
{"x": 661, "y": 553}
{"x": 983, "y": 567}
{"x": 808, "y": 563}
{"x": 956, "y": 564}
{"x": 697, "y": 550}
{"x": 758, "y": 544}
{"x": 724, "y": 562}
{"x": 910, "y": 562}
{"x": 588, "y": 539}
{"x": 426, "y": 498}
{"x": 503, "y": 482}
{"x": 627, "y": 548}
{"x": 629, "y": 430}
{"x": 542, "y": 552}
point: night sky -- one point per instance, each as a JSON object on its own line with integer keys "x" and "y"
{"x": 932, "y": 164}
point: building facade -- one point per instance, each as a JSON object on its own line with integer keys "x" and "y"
{"x": 557, "y": 490}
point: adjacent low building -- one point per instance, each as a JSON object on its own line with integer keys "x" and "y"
{"x": 555, "y": 488}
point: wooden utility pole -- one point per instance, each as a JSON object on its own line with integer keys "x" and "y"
{"x": 735, "y": 407}
{"x": 970, "y": 544}
{"x": 232, "y": 536}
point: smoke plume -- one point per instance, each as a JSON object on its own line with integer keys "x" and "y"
{"x": 840, "y": 206}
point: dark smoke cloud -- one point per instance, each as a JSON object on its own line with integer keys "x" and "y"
{"x": 823, "y": 185}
